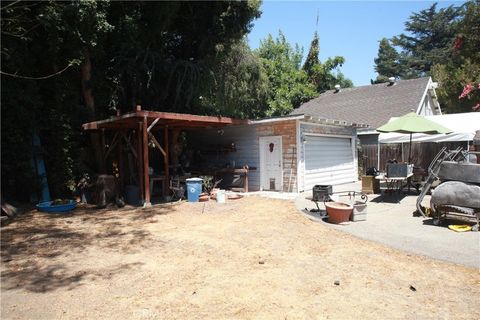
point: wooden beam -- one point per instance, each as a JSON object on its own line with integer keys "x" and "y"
{"x": 183, "y": 123}
{"x": 157, "y": 144}
{"x": 166, "y": 156}
{"x": 129, "y": 119}
{"x": 174, "y": 155}
{"x": 153, "y": 124}
{"x": 191, "y": 117}
{"x": 190, "y": 124}
{"x": 102, "y": 141}
{"x": 121, "y": 167}
{"x": 146, "y": 178}
{"x": 163, "y": 123}
{"x": 140, "y": 160}
{"x": 98, "y": 124}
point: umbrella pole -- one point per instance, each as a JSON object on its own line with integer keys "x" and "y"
{"x": 410, "y": 150}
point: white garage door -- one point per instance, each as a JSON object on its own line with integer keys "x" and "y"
{"x": 328, "y": 160}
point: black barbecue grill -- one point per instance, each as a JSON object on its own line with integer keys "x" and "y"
{"x": 321, "y": 193}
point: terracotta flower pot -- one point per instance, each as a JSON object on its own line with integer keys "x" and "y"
{"x": 203, "y": 197}
{"x": 338, "y": 212}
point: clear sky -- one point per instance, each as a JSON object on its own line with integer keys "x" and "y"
{"x": 350, "y": 29}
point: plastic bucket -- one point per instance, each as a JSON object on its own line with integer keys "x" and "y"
{"x": 194, "y": 188}
{"x": 133, "y": 195}
{"x": 221, "y": 196}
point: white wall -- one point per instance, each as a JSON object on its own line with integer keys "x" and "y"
{"x": 426, "y": 107}
{"x": 247, "y": 150}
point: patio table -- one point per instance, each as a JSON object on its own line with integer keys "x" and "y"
{"x": 394, "y": 183}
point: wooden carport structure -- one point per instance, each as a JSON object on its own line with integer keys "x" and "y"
{"x": 143, "y": 124}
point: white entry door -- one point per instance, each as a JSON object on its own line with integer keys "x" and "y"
{"x": 271, "y": 163}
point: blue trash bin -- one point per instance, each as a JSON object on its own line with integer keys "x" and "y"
{"x": 194, "y": 188}
{"x": 133, "y": 195}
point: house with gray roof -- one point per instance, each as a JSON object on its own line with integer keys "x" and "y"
{"x": 316, "y": 144}
{"x": 374, "y": 104}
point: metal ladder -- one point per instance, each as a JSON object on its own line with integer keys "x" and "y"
{"x": 434, "y": 168}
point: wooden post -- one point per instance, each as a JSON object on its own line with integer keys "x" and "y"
{"x": 121, "y": 167}
{"x": 176, "y": 151}
{"x": 167, "y": 174}
{"x": 146, "y": 179}
{"x": 140, "y": 161}
{"x": 102, "y": 141}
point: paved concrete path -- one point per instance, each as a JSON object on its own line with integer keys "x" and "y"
{"x": 393, "y": 224}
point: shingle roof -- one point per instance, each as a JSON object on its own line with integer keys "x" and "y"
{"x": 373, "y": 104}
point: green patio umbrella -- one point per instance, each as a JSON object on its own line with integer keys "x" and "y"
{"x": 413, "y": 123}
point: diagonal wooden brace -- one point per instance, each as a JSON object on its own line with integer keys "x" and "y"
{"x": 152, "y": 124}
{"x": 157, "y": 144}
{"x": 115, "y": 141}
{"x": 130, "y": 146}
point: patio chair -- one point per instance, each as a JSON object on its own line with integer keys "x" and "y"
{"x": 177, "y": 189}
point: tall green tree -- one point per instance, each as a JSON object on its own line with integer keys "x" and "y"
{"x": 288, "y": 83}
{"x": 327, "y": 74}
{"x": 66, "y": 62}
{"x": 236, "y": 86}
{"x": 312, "y": 56}
{"x": 43, "y": 44}
{"x": 387, "y": 62}
{"x": 428, "y": 41}
{"x": 163, "y": 50}
{"x": 324, "y": 76}
{"x": 459, "y": 78}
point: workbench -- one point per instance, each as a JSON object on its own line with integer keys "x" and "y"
{"x": 233, "y": 179}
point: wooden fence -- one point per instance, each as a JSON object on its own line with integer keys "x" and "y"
{"x": 422, "y": 153}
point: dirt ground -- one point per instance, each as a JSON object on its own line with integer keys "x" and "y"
{"x": 248, "y": 258}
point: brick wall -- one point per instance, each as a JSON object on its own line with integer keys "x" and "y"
{"x": 287, "y": 130}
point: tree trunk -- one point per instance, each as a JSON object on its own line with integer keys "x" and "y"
{"x": 88, "y": 100}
